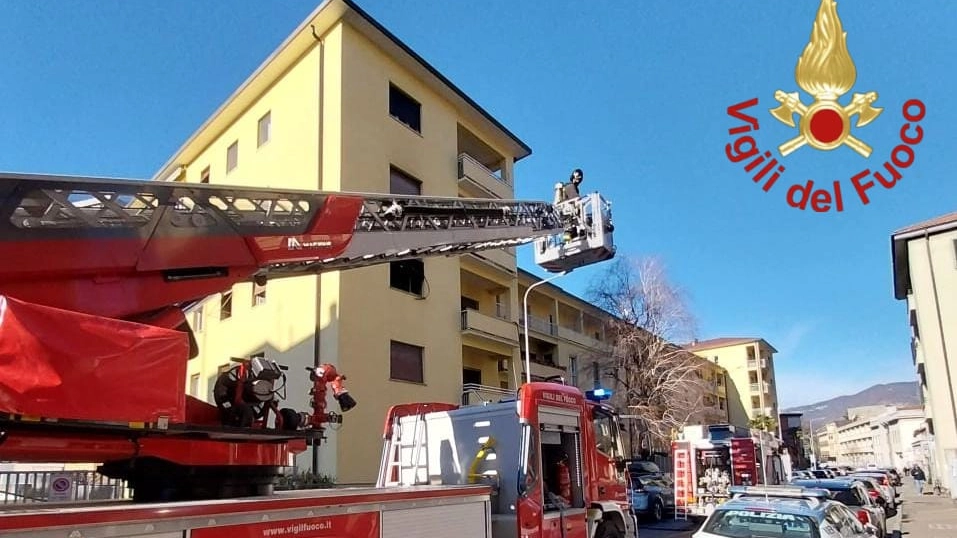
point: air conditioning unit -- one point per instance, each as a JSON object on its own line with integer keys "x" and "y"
{"x": 503, "y": 365}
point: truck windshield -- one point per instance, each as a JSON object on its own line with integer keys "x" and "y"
{"x": 746, "y": 523}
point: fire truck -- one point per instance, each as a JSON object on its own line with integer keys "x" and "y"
{"x": 94, "y": 277}
{"x": 708, "y": 460}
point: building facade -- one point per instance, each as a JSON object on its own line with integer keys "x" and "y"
{"x": 792, "y": 439}
{"x": 894, "y": 434}
{"x": 925, "y": 276}
{"x": 343, "y": 105}
{"x": 749, "y": 362}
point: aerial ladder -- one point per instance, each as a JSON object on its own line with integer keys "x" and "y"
{"x": 95, "y": 275}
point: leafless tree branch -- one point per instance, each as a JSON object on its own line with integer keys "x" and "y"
{"x": 654, "y": 378}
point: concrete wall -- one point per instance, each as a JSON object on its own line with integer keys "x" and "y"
{"x": 934, "y": 287}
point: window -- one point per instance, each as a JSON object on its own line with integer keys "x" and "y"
{"x": 403, "y": 183}
{"x": 204, "y": 176}
{"x": 573, "y": 370}
{"x": 226, "y": 305}
{"x": 471, "y": 376}
{"x": 259, "y": 293}
{"x": 232, "y": 156}
{"x": 407, "y": 276}
{"x": 264, "y": 131}
{"x": 405, "y": 363}
{"x": 405, "y": 109}
{"x": 469, "y": 304}
{"x": 223, "y": 368}
{"x": 606, "y": 433}
{"x": 194, "y": 385}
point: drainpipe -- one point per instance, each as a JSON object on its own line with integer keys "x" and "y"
{"x": 316, "y": 336}
{"x": 940, "y": 328}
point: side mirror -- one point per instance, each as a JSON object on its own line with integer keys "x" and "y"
{"x": 620, "y": 464}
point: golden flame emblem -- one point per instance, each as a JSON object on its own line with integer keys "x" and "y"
{"x": 826, "y": 71}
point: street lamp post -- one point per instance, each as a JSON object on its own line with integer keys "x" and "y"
{"x": 528, "y": 355}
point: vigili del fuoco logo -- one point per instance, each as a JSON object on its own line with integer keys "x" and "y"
{"x": 826, "y": 72}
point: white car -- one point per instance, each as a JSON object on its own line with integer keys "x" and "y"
{"x": 791, "y": 513}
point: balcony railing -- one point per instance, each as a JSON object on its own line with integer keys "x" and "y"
{"x": 541, "y": 325}
{"x": 479, "y": 181}
{"x": 755, "y": 388}
{"x": 580, "y": 338}
{"x": 479, "y": 324}
{"x": 475, "y": 394}
{"x": 753, "y": 364}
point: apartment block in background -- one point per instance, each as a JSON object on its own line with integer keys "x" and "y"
{"x": 749, "y": 363}
{"x": 925, "y": 276}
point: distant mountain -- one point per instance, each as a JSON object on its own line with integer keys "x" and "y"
{"x": 902, "y": 393}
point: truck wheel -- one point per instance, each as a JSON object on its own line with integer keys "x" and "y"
{"x": 608, "y": 529}
{"x": 657, "y": 511}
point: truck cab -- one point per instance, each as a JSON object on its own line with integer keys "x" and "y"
{"x": 553, "y": 459}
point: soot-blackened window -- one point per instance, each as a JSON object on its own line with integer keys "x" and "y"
{"x": 404, "y": 108}
{"x": 407, "y": 275}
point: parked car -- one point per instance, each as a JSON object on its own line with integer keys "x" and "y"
{"x": 800, "y": 513}
{"x": 853, "y": 494}
{"x": 875, "y": 491}
{"x": 884, "y": 481}
{"x": 644, "y": 467}
{"x": 894, "y": 475}
{"x": 651, "y": 496}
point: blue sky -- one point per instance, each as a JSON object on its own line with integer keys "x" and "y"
{"x": 635, "y": 93}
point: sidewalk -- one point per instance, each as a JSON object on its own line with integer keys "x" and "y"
{"x": 928, "y": 515}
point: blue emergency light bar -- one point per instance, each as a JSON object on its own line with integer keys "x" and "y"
{"x": 597, "y": 395}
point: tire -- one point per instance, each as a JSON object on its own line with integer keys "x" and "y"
{"x": 657, "y": 511}
{"x": 608, "y": 529}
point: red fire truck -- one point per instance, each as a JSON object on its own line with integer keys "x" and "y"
{"x": 708, "y": 460}
{"x": 94, "y": 277}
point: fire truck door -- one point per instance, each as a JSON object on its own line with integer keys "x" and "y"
{"x": 563, "y": 501}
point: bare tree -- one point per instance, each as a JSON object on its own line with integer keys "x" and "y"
{"x": 654, "y": 378}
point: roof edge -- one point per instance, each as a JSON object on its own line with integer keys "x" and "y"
{"x": 172, "y": 162}
{"x": 442, "y": 78}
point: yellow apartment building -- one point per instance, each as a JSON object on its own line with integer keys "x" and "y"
{"x": 749, "y": 363}
{"x": 714, "y": 407}
{"x": 344, "y": 105}
{"x": 566, "y": 334}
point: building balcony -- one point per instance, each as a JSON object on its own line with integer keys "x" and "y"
{"x": 760, "y": 388}
{"x": 754, "y": 364}
{"x": 498, "y": 258}
{"x": 478, "y": 182}
{"x": 483, "y": 326}
{"x": 766, "y": 411}
{"x": 541, "y": 326}
{"x": 581, "y": 339}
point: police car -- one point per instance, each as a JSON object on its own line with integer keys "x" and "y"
{"x": 783, "y": 512}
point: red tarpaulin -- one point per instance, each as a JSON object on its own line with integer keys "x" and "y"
{"x": 60, "y": 364}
